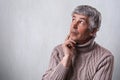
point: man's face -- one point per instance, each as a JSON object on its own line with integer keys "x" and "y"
{"x": 79, "y": 28}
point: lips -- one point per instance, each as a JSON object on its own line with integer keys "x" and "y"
{"x": 74, "y": 32}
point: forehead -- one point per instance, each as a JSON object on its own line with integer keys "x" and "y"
{"x": 79, "y": 16}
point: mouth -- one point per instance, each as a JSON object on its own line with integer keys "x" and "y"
{"x": 74, "y": 32}
{"x": 74, "y": 35}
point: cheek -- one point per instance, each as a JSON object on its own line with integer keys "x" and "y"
{"x": 81, "y": 30}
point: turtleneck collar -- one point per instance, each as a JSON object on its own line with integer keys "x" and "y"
{"x": 86, "y": 46}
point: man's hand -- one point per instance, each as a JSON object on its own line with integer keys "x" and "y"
{"x": 68, "y": 47}
{"x": 69, "y": 51}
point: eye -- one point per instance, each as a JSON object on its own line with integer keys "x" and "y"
{"x": 82, "y": 21}
{"x": 73, "y": 19}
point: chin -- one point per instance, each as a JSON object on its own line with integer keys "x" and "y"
{"x": 74, "y": 38}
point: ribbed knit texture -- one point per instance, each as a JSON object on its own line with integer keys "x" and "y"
{"x": 91, "y": 62}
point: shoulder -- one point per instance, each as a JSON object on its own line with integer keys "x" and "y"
{"x": 103, "y": 53}
{"x": 58, "y": 47}
{"x": 58, "y": 51}
{"x": 103, "y": 56}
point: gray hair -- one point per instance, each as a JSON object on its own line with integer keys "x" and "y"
{"x": 93, "y": 14}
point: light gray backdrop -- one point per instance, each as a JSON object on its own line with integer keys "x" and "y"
{"x": 30, "y": 29}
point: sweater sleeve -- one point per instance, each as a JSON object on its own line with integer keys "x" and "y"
{"x": 56, "y": 70}
{"x": 105, "y": 69}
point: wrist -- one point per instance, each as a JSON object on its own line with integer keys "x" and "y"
{"x": 67, "y": 57}
{"x": 66, "y": 61}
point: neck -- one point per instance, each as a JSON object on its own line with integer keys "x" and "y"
{"x": 87, "y": 45}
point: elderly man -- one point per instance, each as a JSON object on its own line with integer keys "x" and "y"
{"x": 80, "y": 57}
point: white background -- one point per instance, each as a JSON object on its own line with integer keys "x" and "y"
{"x": 30, "y": 29}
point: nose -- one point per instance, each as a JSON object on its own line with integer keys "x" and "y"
{"x": 75, "y": 25}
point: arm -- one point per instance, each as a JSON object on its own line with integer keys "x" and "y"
{"x": 105, "y": 69}
{"x": 56, "y": 70}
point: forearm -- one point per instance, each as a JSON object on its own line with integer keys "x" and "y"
{"x": 66, "y": 61}
{"x": 59, "y": 72}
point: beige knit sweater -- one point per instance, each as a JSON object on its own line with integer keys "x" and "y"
{"x": 91, "y": 62}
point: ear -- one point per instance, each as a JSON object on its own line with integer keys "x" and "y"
{"x": 93, "y": 33}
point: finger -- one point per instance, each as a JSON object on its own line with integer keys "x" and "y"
{"x": 72, "y": 41}
{"x": 68, "y": 38}
{"x": 69, "y": 44}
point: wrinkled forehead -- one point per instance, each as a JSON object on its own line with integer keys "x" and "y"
{"x": 80, "y": 16}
